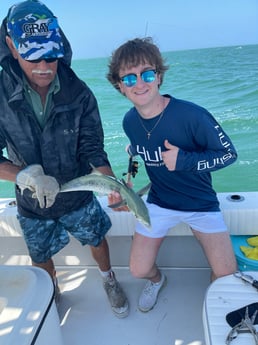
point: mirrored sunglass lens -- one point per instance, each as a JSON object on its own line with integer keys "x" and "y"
{"x": 148, "y": 76}
{"x": 129, "y": 80}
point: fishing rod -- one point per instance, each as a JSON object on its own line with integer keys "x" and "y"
{"x": 132, "y": 169}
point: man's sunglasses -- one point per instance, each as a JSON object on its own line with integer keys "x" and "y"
{"x": 130, "y": 80}
{"x": 47, "y": 60}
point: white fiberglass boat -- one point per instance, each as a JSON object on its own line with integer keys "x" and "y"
{"x": 184, "y": 314}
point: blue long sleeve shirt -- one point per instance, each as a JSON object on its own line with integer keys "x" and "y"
{"x": 203, "y": 147}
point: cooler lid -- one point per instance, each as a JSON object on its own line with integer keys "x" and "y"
{"x": 26, "y": 295}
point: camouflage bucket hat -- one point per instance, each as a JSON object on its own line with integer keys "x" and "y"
{"x": 34, "y": 31}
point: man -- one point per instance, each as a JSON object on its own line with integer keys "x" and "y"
{"x": 181, "y": 144}
{"x": 51, "y": 128}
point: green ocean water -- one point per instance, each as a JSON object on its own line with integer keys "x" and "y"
{"x": 223, "y": 80}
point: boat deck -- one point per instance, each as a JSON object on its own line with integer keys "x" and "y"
{"x": 86, "y": 316}
{"x": 84, "y": 311}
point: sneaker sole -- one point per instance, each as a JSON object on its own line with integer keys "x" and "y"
{"x": 146, "y": 310}
{"x": 123, "y": 314}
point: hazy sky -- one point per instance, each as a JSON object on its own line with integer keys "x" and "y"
{"x": 95, "y": 28}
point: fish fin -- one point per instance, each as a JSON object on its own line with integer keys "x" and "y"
{"x": 124, "y": 183}
{"x": 95, "y": 170}
{"x": 144, "y": 190}
{"x": 118, "y": 204}
{"x": 140, "y": 192}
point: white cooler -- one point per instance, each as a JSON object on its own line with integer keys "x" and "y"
{"x": 225, "y": 295}
{"x": 28, "y": 313}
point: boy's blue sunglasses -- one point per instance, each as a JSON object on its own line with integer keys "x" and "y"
{"x": 130, "y": 80}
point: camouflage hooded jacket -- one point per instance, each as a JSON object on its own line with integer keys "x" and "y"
{"x": 71, "y": 138}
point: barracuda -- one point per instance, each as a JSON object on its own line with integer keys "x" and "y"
{"x": 104, "y": 184}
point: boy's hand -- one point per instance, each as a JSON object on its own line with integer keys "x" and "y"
{"x": 170, "y": 156}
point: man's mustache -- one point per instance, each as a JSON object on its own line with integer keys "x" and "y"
{"x": 39, "y": 71}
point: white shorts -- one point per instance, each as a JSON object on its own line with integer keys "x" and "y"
{"x": 162, "y": 219}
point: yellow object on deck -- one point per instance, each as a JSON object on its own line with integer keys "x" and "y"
{"x": 250, "y": 252}
{"x": 253, "y": 241}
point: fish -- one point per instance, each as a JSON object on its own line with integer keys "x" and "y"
{"x": 140, "y": 192}
{"x": 105, "y": 184}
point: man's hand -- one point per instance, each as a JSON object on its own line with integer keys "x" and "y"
{"x": 45, "y": 188}
{"x": 114, "y": 198}
{"x": 170, "y": 156}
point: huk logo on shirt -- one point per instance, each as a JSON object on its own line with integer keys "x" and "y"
{"x": 151, "y": 159}
{"x": 216, "y": 161}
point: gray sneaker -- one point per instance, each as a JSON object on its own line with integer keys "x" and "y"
{"x": 149, "y": 295}
{"x": 116, "y": 296}
{"x": 57, "y": 292}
